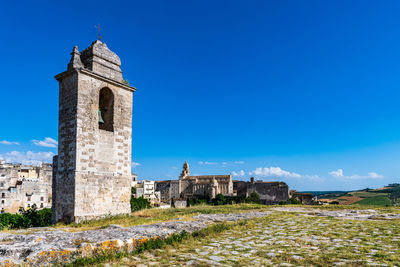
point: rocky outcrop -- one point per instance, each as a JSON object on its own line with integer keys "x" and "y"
{"x": 46, "y": 245}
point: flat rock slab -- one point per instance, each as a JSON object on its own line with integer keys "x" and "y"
{"x": 368, "y": 214}
{"x": 48, "y": 244}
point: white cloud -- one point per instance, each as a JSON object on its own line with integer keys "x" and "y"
{"x": 135, "y": 164}
{"x": 375, "y": 175}
{"x": 28, "y": 158}
{"x": 207, "y": 163}
{"x": 47, "y": 142}
{"x": 274, "y": 171}
{"x": 5, "y": 142}
{"x": 239, "y": 173}
{"x": 339, "y": 174}
{"x": 223, "y": 164}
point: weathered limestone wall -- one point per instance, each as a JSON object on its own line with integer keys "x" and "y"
{"x": 104, "y": 158}
{"x": 64, "y": 182}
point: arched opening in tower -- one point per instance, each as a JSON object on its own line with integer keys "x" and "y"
{"x": 106, "y": 110}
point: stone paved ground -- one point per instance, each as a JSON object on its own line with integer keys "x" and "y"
{"x": 288, "y": 239}
{"x": 282, "y": 235}
{"x": 43, "y": 245}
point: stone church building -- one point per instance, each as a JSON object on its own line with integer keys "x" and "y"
{"x": 187, "y": 186}
{"x": 209, "y": 186}
{"x": 92, "y": 171}
{"x": 202, "y": 186}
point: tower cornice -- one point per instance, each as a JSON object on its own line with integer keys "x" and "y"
{"x": 60, "y": 76}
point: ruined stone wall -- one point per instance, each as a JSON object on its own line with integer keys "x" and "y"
{"x": 180, "y": 203}
{"x": 240, "y": 187}
{"x": 175, "y": 189}
{"x": 269, "y": 192}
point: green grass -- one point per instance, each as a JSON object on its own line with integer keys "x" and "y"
{"x": 381, "y": 200}
{"x": 372, "y": 198}
{"x": 365, "y": 194}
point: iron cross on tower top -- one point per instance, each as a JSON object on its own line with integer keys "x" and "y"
{"x": 99, "y": 37}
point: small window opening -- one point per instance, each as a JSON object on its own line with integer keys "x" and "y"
{"x": 106, "y": 110}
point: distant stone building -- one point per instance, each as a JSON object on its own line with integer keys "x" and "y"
{"x": 24, "y": 186}
{"x": 303, "y": 198}
{"x": 269, "y": 192}
{"x": 146, "y": 189}
{"x": 202, "y": 186}
{"x": 134, "y": 179}
{"x": 164, "y": 187}
{"x": 93, "y": 166}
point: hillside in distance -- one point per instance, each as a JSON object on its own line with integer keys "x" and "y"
{"x": 385, "y": 196}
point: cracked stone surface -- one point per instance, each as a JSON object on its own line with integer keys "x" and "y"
{"x": 30, "y": 247}
{"x": 295, "y": 239}
{"x": 369, "y": 214}
{"x": 284, "y": 235}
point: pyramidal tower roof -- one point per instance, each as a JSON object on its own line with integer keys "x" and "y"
{"x": 101, "y": 60}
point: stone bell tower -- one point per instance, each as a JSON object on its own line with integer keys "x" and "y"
{"x": 92, "y": 171}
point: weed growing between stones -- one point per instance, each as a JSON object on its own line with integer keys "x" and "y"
{"x": 283, "y": 239}
{"x": 110, "y": 251}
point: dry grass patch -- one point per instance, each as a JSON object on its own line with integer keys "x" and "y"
{"x": 151, "y": 216}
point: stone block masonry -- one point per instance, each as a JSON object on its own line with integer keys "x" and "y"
{"x": 93, "y": 165}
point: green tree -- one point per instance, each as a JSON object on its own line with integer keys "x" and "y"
{"x": 254, "y": 198}
{"x": 220, "y": 199}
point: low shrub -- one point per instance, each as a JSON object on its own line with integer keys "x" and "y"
{"x": 30, "y": 217}
{"x": 139, "y": 204}
{"x": 295, "y": 201}
{"x": 220, "y": 199}
{"x": 254, "y": 198}
{"x": 197, "y": 201}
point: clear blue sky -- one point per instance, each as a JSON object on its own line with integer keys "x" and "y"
{"x": 307, "y": 92}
